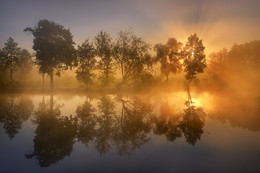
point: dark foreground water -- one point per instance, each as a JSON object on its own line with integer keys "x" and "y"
{"x": 113, "y": 133}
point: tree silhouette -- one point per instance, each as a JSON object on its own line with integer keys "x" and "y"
{"x": 10, "y": 58}
{"x": 13, "y": 111}
{"x": 104, "y": 46}
{"x": 218, "y": 58}
{"x": 54, "y": 48}
{"x": 246, "y": 54}
{"x": 169, "y": 57}
{"x": 132, "y": 56}
{"x": 26, "y": 63}
{"x": 194, "y": 57}
{"x": 86, "y": 60}
{"x": 54, "y": 134}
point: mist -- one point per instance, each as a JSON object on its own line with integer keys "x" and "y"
{"x": 130, "y": 86}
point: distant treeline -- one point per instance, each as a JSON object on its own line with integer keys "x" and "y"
{"x": 106, "y": 62}
{"x": 247, "y": 54}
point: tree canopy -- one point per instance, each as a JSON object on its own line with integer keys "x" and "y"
{"x": 54, "y": 48}
{"x": 10, "y": 56}
{"x": 132, "y": 56}
{"x": 86, "y": 63}
{"x": 13, "y": 59}
{"x": 194, "y": 57}
{"x": 103, "y": 43}
{"x": 169, "y": 56}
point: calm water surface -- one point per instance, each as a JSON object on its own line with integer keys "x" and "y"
{"x": 129, "y": 133}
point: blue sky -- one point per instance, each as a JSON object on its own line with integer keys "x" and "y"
{"x": 220, "y": 23}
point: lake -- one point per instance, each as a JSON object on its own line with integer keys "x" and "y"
{"x": 212, "y": 132}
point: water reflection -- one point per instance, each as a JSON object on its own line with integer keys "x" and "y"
{"x": 109, "y": 122}
{"x": 105, "y": 128}
{"x": 173, "y": 125}
{"x": 167, "y": 122}
{"x": 192, "y": 123}
{"x": 54, "y": 134}
{"x": 13, "y": 111}
{"x": 86, "y": 122}
{"x": 133, "y": 125}
{"x": 105, "y": 124}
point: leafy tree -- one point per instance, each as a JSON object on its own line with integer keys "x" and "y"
{"x": 86, "y": 60}
{"x": 246, "y": 54}
{"x": 25, "y": 61}
{"x": 3, "y": 73}
{"x": 194, "y": 57}
{"x": 54, "y": 48}
{"x": 10, "y": 58}
{"x": 169, "y": 56}
{"x": 104, "y": 46}
{"x": 218, "y": 58}
{"x": 1, "y": 58}
{"x": 132, "y": 55}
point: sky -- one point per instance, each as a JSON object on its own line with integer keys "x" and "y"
{"x": 219, "y": 23}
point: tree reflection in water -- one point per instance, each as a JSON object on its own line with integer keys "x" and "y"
{"x": 133, "y": 125}
{"x": 86, "y": 122}
{"x": 192, "y": 123}
{"x": 121, "y": 122}
{"x": 105, "y": 124}
{"x": 173, "y": 125}
{"x": 54, "y": 134}
{"x": 13, "y": 111}
{"x": 96, "y": 126}
{"x": 167, "y": 122}
{"x": 126, "y": 131}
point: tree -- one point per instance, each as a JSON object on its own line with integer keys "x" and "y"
{"x": 86, "y": 60}
{"x": 54, "y": 48}
{"x": 3, "y": 73}
{"x": 218, "y": 58}
{"x": 104, "y": 46}
{"x": 25, "y": 64}
{"x": 10, "y": 57}
{"x": 169, "y": 56}
{"x": 132, "y": 55}
{"x": 1, "y": 58}
{"x": 194, "y": 57}
{"x": 246, "y": 54}
{"x": 25, "y": 61}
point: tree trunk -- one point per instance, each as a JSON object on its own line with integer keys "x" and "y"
{"x": 166, "y": 81}
{"x": 107, "y": 75}
{"x": 43, "y": 80}
{"x": 188, "y": 89}
{"x": 51, "y": 81}
{"x": 11, "y": 71}
{"x": 51, "y": 103}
